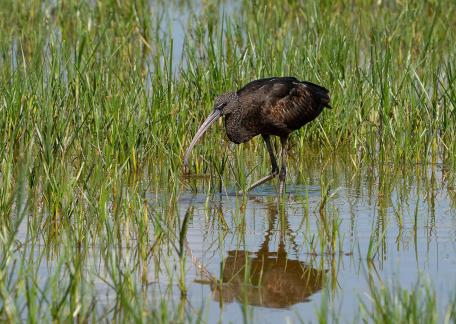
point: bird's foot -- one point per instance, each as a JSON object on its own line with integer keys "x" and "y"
{"x": 263, "y": 180}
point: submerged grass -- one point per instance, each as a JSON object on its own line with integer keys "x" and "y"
{"x": 96, "y": 111}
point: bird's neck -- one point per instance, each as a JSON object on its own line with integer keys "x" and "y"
{"x": 235, "y": 128}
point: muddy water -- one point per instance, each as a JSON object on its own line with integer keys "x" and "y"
{"x": 274, "y": 261}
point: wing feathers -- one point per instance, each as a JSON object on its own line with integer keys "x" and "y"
{"x": 277, "y": 106}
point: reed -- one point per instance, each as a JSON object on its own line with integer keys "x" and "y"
{"x": 98, "y": 101}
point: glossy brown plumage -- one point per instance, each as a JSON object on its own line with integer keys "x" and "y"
{"x": 271, "y": 106}
{"x": 274, "y": 106}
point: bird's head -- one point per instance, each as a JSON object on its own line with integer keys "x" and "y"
{"x": 223, "y": 105}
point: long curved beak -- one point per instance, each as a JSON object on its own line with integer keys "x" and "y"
{"x": 203, "y": 128}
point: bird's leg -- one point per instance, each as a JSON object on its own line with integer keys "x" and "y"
{"x": 275, "y": 168}
{"x": 283, "y": 170}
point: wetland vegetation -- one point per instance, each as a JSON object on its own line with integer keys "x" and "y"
{"x": 99, "y": 100}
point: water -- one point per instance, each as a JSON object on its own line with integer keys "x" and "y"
{"x": 173, "y": 21}
{"x": 260, "y": 258}
{"x": 271, "y": 263}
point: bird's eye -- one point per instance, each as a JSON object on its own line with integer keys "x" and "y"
{"x": 220, "y": 106}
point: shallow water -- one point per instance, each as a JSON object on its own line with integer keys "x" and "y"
{"x": 264, "y": 259}
{"x": 270, "y": 263}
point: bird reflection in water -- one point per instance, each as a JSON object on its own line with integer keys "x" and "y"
{"x": 266, "y": 278}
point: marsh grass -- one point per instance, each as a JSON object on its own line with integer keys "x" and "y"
{"x": 96, "y": 114}
{"x": 393, "y": 303}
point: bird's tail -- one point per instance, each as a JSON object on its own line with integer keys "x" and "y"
{"x": 319, "y": 92}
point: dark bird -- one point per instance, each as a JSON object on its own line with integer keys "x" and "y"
{"x": 272, "y": 106}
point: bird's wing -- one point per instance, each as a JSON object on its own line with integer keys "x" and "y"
{"x": 294, "y": 103}
{"x": 279, "y": 105}
{"x": 261, "y": 84}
